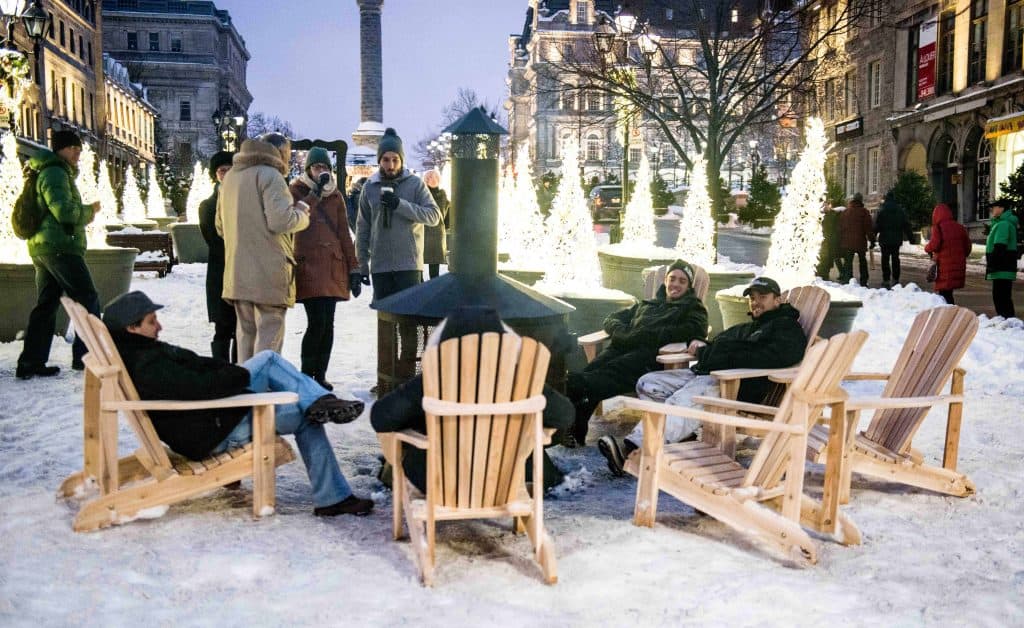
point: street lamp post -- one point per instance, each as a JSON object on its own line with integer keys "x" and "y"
{"x": 755, "y": 159}
{"x": 228, "y": 126}
{"x": 35, "y": 20}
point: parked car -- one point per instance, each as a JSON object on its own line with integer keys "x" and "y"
{"x": 605, "y": 202}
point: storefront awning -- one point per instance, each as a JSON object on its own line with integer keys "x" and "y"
{"x": 1004, "y": 125}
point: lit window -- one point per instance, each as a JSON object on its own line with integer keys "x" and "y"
{"x": 875, "y": 84}
{"x": 735, "y": 16}
{"x": 874, "y": 169}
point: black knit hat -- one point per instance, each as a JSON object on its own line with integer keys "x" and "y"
{"x": 62, "y": 139}
{"x": 683, "y": 266}
{"x": 220, "y": 158}
{"x": 390, "y": 143}
{"x": 1004, "y": 202}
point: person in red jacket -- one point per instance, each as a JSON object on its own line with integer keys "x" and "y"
{"x": 949, "y": 247}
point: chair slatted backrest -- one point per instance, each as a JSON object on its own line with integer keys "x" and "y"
{"x": 102, "y": 350}
{"x": 812, "y": 302}
{"x": 654, "y": 276}
{"x": 478, "y": 459}
{"x": 935, "y": 344}
{"x": 821, "y": 372}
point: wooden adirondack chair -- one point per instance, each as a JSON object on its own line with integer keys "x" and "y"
{"x": 937, "y": 341}
{"x": 483, "y": 402}
{"x": 149, "y": 478}
{"x": 767, "y": 498}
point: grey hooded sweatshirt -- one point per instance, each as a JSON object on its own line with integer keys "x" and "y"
{"x": 398, "y": 246}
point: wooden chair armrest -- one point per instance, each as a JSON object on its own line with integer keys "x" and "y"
{"x": 732, "y": 404}
{"x": 674, "y": 347}
{"x": 676, "y": 358}
{"x": 414, "y": 438}
{"x": 784, "y": 376}
{"x": 710, "y": 417}
{"x": 438, "y": 407}
{"x": 235, "y": 401}
{"x": 732, "y": 374}
{"x": 851, "y": 377}
{"x": 593, "y": 338}
{"x": 874, "y": 403}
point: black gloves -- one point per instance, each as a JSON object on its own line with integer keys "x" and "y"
{"x": 355, "y": 285}
{"x": 365, "y": 280}
{"x": 389, "y": 200}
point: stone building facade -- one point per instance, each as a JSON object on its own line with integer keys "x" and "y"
{"x": 192, "y": 61}
{"x": 130, "y": 132}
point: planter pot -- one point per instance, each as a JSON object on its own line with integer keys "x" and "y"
{"x": 163, "y": 222}
{"x": 666, "y": 229}
{"x": 839, "y": 318}
{"x": 720, "y": 280}
{"x": 189, "y": 245}
{"x": 528, "y": 277}
{"x": 111, "y": 271}
{"x": 587, "y": 318}
{"x": 619, "y": 272}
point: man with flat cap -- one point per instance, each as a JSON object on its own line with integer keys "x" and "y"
{"x": 773, "y": 339}
{"x": 163, "y": 371}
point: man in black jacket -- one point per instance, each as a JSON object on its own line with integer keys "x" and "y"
{"x": 637, "y": 333}
{"x": 164, "y": 371}
{"x": 891, "y": 228}
{"x": 773, "y": 339}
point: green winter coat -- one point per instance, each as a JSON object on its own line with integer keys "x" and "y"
{"x": 63, "y": 227}
{"x": 1001, "y": 247}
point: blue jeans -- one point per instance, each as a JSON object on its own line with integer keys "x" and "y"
{"x": 269, "y": 372}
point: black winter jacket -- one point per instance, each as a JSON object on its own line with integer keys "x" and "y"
{"x": 891, "y": 225}
{"x": 773, "y": 340}
{"x": 652, "y": 323}
{"x": 163, "y": 371}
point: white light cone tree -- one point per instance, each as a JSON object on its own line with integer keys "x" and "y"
{"x": 156, "y": 206}
{"x": 532, "y": 235}
{"x": 11, "y": 181}
{"x": 107, "y": 198}
{"x": 638, "y": 223}
{"x": 508, "y": 214}
{"x": 199, "y": 190}
{"x": 697, "y": 226}
{"x": 573, "y": 264}
{"x": 797, "y": 237}
{"x": 131, "y": 198}
{"x": 88, "y": 189}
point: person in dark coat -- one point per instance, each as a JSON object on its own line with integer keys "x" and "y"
{"x": 855, "y": 229}
{"x": 326, "y": 270}
{"x": 218, "y": 311}
{"x": 435, "y": 249}
{"x": 352, "y": 201}
{"x": 948, "y": 247}
{"x": 675, "y": 314}
{"x": 891, "y": 228}
{"x": 402, "y": 407}
{"x": 828, "y": 255}
{"x": 773, "y": 339}
{"x": 163, "y": 371}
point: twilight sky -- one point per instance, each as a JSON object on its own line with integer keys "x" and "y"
{"x": 305, "y": 59}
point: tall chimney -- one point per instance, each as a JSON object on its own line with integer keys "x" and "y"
{"x": 371, "y": 107}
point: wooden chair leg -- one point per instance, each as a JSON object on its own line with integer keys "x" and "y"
{"x": 953, "y": 418}
{"x": 650, "y": 465}
{"x": 544, "y": 549}
{"x": 263, "y": 479}
{"x": 836, "y": 468}
{"x": 852, "y": 420}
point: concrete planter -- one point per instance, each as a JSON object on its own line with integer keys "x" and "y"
{"x": 111, "y": 271}
{"x": 720, "y": 280}
{"x": 189, "y": 245}
{"x": 666, "y": 229}
{"x": 587, "y": 318}
{"x": 838, "y": 320}
{"x": 619, "y": 272}
{"x": 528, "y": 277}
{"x": 164, "y": 222}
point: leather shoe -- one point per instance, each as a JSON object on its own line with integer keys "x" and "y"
{"x": 351, "y": 505}
{"x": 28, "y": 371}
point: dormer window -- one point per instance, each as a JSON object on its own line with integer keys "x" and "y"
{"x": 582, "y": 12}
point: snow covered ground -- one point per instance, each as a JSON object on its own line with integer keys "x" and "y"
{"x": 926, "y": 559}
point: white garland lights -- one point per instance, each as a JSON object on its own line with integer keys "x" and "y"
{"x": 12, "y": 180}
{"x": 697, "y": 226}
{"x": 573, "y": 263}
{"x": 200, "y": 189}
{"x": 156, "y": 207}
{"x": 131, "y": 199}
{"x": 796, "y": 240}
{"x": 532, "y": 235}
{"x": 107, "y": 198}
{"x": 638, "y": 223}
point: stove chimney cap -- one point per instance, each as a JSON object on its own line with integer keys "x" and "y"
{"x": 475, "y": 122}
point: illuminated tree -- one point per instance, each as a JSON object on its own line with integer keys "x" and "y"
{"x": 573, "y": 263}
{"x": 638, "y": 222}
{"x": 697, "y": 226}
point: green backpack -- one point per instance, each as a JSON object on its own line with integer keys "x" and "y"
{"x": 28, "y": 215}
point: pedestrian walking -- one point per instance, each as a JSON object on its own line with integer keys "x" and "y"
{"x": 435, "y": 249}
{"x": 1001, "y": 256}
{"x": 326, "y": 269}
{"x": 828, "y": 255}
{"x": 948, "y": 247}
{"x": 855, "y": 230}
{"x": 218, "y": 311}
{"x": 891, "y": 228}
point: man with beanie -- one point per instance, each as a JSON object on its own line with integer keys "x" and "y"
{"x": 58, "y": 254}
{"x": 637, "y": 333}
{"x": 394, "y": 205}
{"x": 218, "y": 311}
{"x": 256, "y": 216}
{"x": 773, "y": 339}
{"x": 163, "y": 371}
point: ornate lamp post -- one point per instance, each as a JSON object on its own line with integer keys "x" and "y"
{"x": 228, "y": 124}
{"x": 14, "y": 68}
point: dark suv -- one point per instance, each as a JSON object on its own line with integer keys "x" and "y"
{"x": 605, "y": 202}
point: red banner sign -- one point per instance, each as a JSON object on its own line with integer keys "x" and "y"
{"x": 926, "y": 59}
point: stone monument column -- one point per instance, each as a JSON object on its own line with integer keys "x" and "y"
{"x": 371, "y": 126}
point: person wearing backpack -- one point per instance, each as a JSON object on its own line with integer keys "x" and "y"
{"x": 58, "y": 253}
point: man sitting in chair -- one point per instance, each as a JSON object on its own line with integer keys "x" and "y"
{"x": 675, "y": 314}
{"x": 773, "y": 339}
{"x": 402, "y": 408}
{"x": 164, "y": 371}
